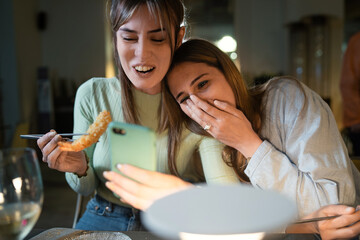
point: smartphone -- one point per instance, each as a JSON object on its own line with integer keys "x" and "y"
{"x": 132, "y": 144}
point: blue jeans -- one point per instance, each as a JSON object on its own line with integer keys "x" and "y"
{"x": 102, "y": 215}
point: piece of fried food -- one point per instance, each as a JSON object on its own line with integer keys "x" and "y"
{"x": 94, "y": 132}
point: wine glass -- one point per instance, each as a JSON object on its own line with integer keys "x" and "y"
{"x": 21, "y": 192}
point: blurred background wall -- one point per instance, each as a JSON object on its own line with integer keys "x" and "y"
{"x": 49, "y": 47}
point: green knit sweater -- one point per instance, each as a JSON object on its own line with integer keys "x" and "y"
{"x": 99, "y": 94}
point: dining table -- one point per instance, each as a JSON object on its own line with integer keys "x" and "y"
{"x": 203, "y": 213}
{"x": 72, "y": 234}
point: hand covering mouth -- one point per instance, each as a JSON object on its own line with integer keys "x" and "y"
{"x": 144, "y": 69}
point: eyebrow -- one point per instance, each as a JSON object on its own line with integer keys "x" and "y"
{"x": 133, "y": 31}
{"x": 192, "y": 83}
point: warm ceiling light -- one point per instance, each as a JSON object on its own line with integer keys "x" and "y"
{"x": 227, "y": 44}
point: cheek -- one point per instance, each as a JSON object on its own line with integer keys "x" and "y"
{"x": 225, "y": 94}
{"x": 231, "y": 98}
{"x": 124, "y": 49}
{"x": 125, "y": 66}
{"x": 171, "y": 82}
{"x": 122, "y": 52}
{"x": 165, "y": 57}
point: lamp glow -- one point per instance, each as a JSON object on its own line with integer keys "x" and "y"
{"x": 17, "y": 183}
{"x": 233, "y": 55}
{"x": 2, "y": 199}
{"x": 227, "y": 44}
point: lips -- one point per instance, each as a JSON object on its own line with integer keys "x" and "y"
{"x": 144, "y": 69}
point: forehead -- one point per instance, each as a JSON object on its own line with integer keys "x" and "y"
{"x": 184, "y": 71}
{"x": 182, "y": 74}
{"x": 143, "y": 17}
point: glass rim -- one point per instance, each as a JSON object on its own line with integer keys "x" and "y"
{"x": 6, "y": 154}
{"x": 17, "y": 149}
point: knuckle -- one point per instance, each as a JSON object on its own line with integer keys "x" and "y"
{"x": 49, "y": 164}
{"x": 55, "y": 139}
{"x": 206, "y": 107}
{"x": 352, "y": 232}
{"x": 201, "y": 115}
{"x": 45, "y": 152}
{"x": 50, "y": 161}
{"x": 39, "y": 143}
{"x": 221, "y": 124}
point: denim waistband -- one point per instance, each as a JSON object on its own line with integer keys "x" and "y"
{"x": 113, "y": 207}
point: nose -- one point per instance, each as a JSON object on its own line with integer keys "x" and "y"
{"x": 143, "y": 49}
{"x": 204, "y": 97}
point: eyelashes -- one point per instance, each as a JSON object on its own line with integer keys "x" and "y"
{"x": 158, "y": 40}
{"x": 134, "y": 39}
{"x": 200, "y": 85}
{"x": 184, "y": 99}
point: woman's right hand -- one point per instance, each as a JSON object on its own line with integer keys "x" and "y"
{"x": 346, "y": 226}
{"x": 63, "y": 161}
{"x": 142, "y": 187}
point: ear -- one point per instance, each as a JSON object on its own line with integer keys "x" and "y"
{"x": 180, "y": 36}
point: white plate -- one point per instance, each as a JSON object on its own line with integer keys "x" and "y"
{"x": 219, "y": 210}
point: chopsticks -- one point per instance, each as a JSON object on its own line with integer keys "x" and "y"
{"x": 37, "y": 136}
{"x": 315, "y": 219}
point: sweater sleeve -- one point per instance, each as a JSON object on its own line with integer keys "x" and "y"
{"x": 215, "y": 169}
{"x": 83, "y": 118}
{"x": 304, "y": 156}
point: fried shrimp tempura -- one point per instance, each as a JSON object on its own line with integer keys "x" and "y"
{"x": 94, "y": 132}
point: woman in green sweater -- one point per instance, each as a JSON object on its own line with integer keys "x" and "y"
{"x": 145, "y": 35}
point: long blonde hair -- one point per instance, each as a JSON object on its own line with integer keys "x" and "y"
{"x": 171, "y": 15}
{"x": 247, "y": 100}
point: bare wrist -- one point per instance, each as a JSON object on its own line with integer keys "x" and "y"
{"x": 249, "y": 150}
{"x": 83, "y": 172}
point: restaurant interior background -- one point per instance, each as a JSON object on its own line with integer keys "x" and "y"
{"x": 48, "y": 48}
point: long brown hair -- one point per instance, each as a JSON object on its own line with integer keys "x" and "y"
{"x": 170, "y": 14}
{"x": 247, "y": 100}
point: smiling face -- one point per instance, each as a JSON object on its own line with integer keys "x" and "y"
{"x": 200, "y": 79}
{"x": 144, "y": 50}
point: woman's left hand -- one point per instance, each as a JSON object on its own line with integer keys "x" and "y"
{"x": 227, "y": 124}
{"x": 140, "y": 188}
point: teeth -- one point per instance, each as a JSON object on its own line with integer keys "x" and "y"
{"x": 143, "y": 68}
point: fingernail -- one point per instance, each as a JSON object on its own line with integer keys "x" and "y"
{"x": 192, "y": 97}
{"x": 349, "y": 209}
{"x": 119, "y": 166}
{"x": 51, "y": 134}
{"x": 109, "y": 185}
{"x": 106, "y": 173}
